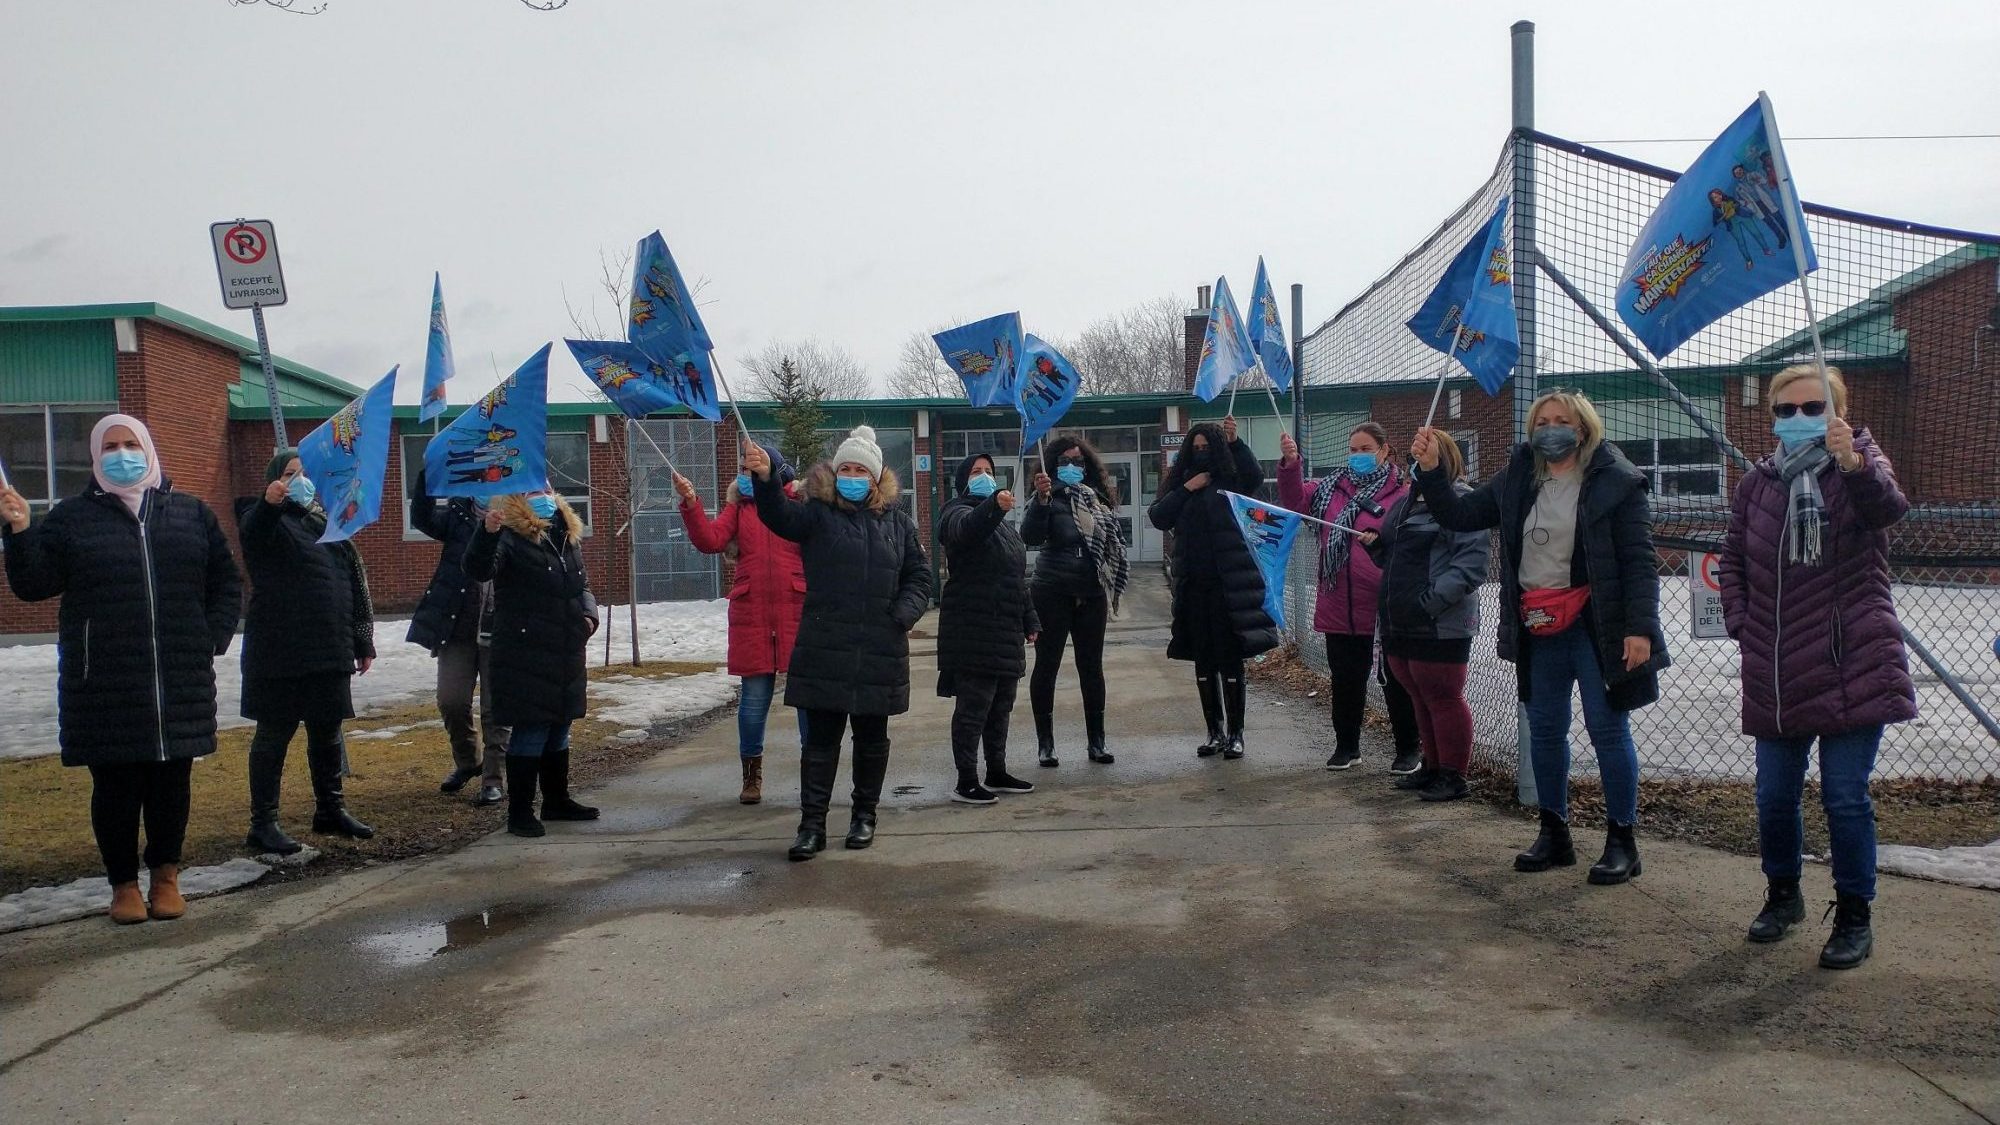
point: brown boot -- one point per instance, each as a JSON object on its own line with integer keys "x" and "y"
{"x": 166, "y": 902}
{"x": 127, "y": 907}
{"x": 753, "y": 780}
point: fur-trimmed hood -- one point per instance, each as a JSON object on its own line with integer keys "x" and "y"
{"x": 517, "y": 517}
{"x": 820, "y": 487}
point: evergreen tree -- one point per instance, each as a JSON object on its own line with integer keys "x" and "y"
{"x": 799, "y": 415}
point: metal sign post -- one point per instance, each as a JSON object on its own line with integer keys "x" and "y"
{"x": 246, "y": 264}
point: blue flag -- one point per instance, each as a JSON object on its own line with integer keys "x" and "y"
{"x": 1267, "y": 332}
{"x": 347, "y": 457}
{"x": 1048, "y": 387}
{"x": 1268, "y": 531}
{"x": 663, "y": 318}
{"x": 639, "y": 385}
{"x": 438, "y": 365}
{"x": 1719, "y": 240}
{"x": 1470, "y": 315}
{"x": 986, "y": 356}
{"x": 1225, "y": 348}
{"x": 500, "y": 445}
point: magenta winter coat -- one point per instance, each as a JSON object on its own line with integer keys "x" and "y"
{"x": 770, "y": 588}
{"x": 1822, "y": 649}
{"x": 1348, "y": 605}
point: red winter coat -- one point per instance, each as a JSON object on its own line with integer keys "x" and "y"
{"x": 1347, "y": 605}
{"x": 1822, "y": 651}
{"x": 770, "y": 588}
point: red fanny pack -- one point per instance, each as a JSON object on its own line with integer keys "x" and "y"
{"x": 1547, "y": 612}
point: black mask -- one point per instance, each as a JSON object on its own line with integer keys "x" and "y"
{"x": 1197, "y": 460}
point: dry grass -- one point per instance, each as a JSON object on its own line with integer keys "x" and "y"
{"x": 45, "y": 834}
{"x": 1722, "y": 814}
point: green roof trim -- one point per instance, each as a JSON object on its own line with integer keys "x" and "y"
{"x": 1852, "y": 329}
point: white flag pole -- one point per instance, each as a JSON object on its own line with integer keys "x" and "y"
{"x": 1795, "y": 228}
{"x": 1301, "y": 515}
{"x": 3, "y": 477}
{"x": 1443, "y": 374}
{"x": 742, "y": 427}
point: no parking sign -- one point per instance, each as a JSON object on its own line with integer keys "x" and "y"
{"x": 1705, "y": 597}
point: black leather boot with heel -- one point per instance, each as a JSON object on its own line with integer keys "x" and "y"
{"x": 267, "y": 775}
{"x": 871, "y": 768}
{"x": 330, "y": 817}
{"x": 1853, "y": 937}
{"x": 1234, "y": 704}
{"x": 1093, "y": 725}
{"x": 1211, "y": 713}
{"x": 1552, "y": 847}
{"x": 556, "y": 801}
{"x": 1784, "y": 907}
{"x": 1045, "y": 740}
{"x": 522, "y": 774}
{"x": 819, "y": 767}
{"x": 1620, "y": 862}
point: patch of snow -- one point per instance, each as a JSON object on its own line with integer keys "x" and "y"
{"x": 636, "y": 702}
{"x": 1968, "y": 867}
{"x": 386, "y": 733}
{"x": 636, "y": 734}
{"x": 42, "y": 906}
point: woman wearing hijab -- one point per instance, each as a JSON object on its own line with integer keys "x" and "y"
{"x": 986, "y": 620}
{"x": 1080, "y": 573}
{"x": 150, "y": 597}
{"x": 309, "y": 631}
{"x": 765, "y": 601}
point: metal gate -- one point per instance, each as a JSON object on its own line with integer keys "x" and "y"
{"x": 665, "y": 566}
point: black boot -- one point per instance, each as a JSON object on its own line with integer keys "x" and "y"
{"x": 1093, "y": 725}
{"x": 267, "y": 771}
{"x": 1233, "y": 704}
{"x": 818, "y": 767}
{"x": 1211, "y": 713}
{"x": 522, "y": 773}
{"x": 1621, "y": 856}
{"x": 1852, "y": 940}
{"x": 331, "y": 817}
{"x": 1784, "y": 908}
{"x": 556, "y": 802}
{"x": 1446, "y": 785}
{"x": 871, "y": 767}
{"x": 1045, "y": 740}
{"x": 1552, "y": 848}
{"x": 1418, "y": 780}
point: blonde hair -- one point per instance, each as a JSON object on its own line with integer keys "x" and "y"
{"x": 1589, "y": 425}
{"x": 1799, "y": 371}
{"x": 1450, "y": 458}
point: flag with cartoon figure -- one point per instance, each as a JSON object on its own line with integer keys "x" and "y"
{"x": 347, "y": 457}
{"x": 663, "y": 318}
{"x": 500, "y": 445}
{"x": 1470, "y": 314}
{"x": 1268, "y": 531}
{"x": 1267, "y": 332}
{"x": 1048, "y": 387}
{"x": 1719, "y": 240}
{"x": 986, "y": 356}
{"x": 640, "y": 385}
{"x": 438, "y": 365}
{"x": 1225, "y": 347}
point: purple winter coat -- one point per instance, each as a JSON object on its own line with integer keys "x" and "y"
{"x": 1822, "y": 649}
{"x": 1349, "y": 604}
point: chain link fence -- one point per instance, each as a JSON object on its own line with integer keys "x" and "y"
{"x": 1910, "y": 313}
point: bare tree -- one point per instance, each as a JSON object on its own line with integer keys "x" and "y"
{"x": 921, "y": 371}
{"x": 1138, "y": 349}
{"x": 828, "y": 369}
{"x": 602, "y": 316}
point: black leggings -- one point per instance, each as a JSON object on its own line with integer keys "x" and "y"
{"x": 984, "y": 705}
{"x": 1065, "y": 616}
{"x": 1349, "y": 658}
{"x": 121, "y": 795}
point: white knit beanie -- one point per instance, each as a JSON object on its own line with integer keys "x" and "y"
{"x": 861, "y": 449}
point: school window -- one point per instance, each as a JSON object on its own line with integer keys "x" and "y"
{"x": 569, "y": 472}
{"x": 1662, "y": 441}
{"x": 45, "y": 450}
{"x": 1468, "y": 445}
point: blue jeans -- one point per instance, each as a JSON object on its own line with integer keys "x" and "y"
{"x": 753, "y": 706}
{"x": 532, "y": 740}
{"x": 1555, "y": 663}
{"x": 1845, "y": 761}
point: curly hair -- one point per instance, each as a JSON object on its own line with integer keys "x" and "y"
{"x": 1093, "y": 465}
{"x": 1221, "y": 468}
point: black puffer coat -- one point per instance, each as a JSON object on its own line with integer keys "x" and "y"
{"x": 1614, "y": 557}
{"x": 867, "y": 584}
{"x": 1063, "y": 562}
{"x": 450, "y": 522}
{"x": 1209, "y": 552}
{"x": 986, "y": 613}
{"x": 309, "y": 614}
{"x": 543, "y": 613}
{"x": 147, "y": 606}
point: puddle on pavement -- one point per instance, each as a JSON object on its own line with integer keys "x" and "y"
{"x": 417, "y": 944}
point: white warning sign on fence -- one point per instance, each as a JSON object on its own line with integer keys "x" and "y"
{"x": 1705, "y": 594}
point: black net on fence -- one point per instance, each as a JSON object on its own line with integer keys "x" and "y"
{"x": 1910, "y": 314}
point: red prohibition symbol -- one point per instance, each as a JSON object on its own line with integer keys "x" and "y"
{"x": 245, "y": 245}
{"x": 1709, "y": 576}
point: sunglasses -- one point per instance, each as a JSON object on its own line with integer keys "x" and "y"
{"x": 1811, "y": 409}
{"x": 1077, "y": 461}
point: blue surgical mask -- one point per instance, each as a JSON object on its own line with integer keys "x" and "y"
{"x": 544, "y": 507}
{"x": 1799, "y": 429}
{"x": 981, "y": 485}
{"x": 300, "y": 489}
{"x": 1071, "y": 475}
{"x": 854, "y": 489}
{"x": 124, "y": 466}
{"x": 1361, "y": 464}
{"x": 744, "y": 485}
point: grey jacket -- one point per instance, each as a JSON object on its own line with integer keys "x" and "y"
{"x": 1430, "y": 577}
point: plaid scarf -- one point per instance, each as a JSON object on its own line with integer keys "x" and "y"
{"x": 1098, "y": 525}
{"x": 1806, "y": 518}
{"x": 1333, "y": 556}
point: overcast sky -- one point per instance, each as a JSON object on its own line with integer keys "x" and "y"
{"x": 859, "y": 170}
